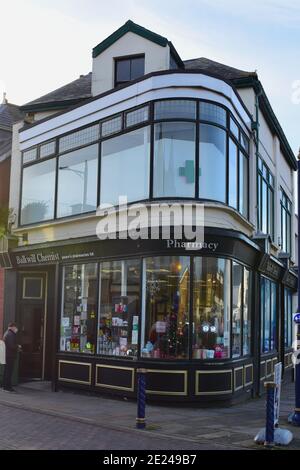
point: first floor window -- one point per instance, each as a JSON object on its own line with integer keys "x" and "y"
{"x": 79, "y": 308}
{"x": 286, "y": 218}
{"x": 119, "y": 308}
{"x": 77, "y": 181}
{"x": 265, "y": 199}
{"x": 288, "y": 318}
{"x": 165, "y": 324}
{"x": 38, "y": 189}
{"x": 268, "y": 301}
{"x": 174, "y": 159}
{"x": 212, "y": 161}
{"x": 243, "y": 185}
{"x": 125, "y": 162}
{"x": 211, "y": 308}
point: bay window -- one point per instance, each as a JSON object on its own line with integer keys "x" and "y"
{"x": 77, "y": 181}
{"x": 174, "y": 159}
{"x": 125, "y": 162}
{"x": 212, "y": 171}
{"x": 211, "y": 308}
{"x": 79, "y": 308}
{"x": 119, "y": 308}
{"x": 165, "y": 325}
{"x": 38, "y": 190}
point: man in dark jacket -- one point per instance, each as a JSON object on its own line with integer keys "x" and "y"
{"x": 11, "y": 348}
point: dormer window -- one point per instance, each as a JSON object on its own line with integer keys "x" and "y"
{"x": 129, "y": 68}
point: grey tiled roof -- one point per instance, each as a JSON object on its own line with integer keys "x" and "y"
{"x": 9, "y": 114}
{"x": 76, "y": 90}
{"x": 5, "y": 148}
{"x": 215, "y": 68}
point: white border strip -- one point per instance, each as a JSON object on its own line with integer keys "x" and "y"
{"x": 162, "y": 86}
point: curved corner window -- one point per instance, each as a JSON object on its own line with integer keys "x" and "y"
{"x": 175, "y": 109}
{"x": 38, "y": 189}
{"x": 174, "y": 159}
{"x": 166, "y": 300}
{"x": 125, "y": 165}
{"x": 211, "y": 308}
{"x": 213, "y": 113}
{"x": 77, "y": 181}
{"x": 212, "y": 159}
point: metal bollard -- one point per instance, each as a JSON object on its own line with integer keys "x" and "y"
{"x": 269, "y": 439}
{"x": 141, "y": 399}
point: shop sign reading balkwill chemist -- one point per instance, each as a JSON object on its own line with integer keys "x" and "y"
{"x": 48, "y": 258}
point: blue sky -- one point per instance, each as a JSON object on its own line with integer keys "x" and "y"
{"x": 45, "y": 44}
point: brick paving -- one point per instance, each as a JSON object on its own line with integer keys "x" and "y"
{"x": 36, "y": 418}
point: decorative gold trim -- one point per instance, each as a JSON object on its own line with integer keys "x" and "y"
{"x": 269, "y": 375}
{"x": 246, "y": 384}
{"x": 115, "y": 387}
{"x": 42, "y": 287}
{"x": 221, "y": 392}
{"x": 158, "y": 392}
{"x": 88, "y": 364}
{"x": 263, "y": 363}
{"x": 234, "y": 379}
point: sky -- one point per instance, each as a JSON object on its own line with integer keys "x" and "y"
{"x": 45, "y": 44}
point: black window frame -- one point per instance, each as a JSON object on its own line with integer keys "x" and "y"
{"x": 141, "y": 259}
{"x": 129, "y": 58}
{"x": 149, "y": 122}
{"x": 285, "y": 211}
{"x": 261, "y": 180}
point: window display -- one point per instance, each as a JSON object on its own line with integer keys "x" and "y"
{"x": 237, "y": 282}
{"x": 211, "y": 308}
{"x": 166, "y": 307}
{"x": 119, "y": 308}
{"x": 78, "y": 316}
{"x": 288, "y": 318}
{"x": 268, "y": 315}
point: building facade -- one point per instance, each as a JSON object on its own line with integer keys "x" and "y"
{"x": 208, "y": 322}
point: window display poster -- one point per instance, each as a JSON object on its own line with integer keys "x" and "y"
{"x": 62, "y": 343}
{"x": 76, "y": 320}
{"x": 161, "y": 327}
{"x": 65, "y": 322}
{"x": 134, "y": 339}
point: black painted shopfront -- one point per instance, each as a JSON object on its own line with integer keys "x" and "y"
{"x": 208, "y": 325}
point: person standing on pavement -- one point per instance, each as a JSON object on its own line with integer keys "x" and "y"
{"x": 11, "y": 349}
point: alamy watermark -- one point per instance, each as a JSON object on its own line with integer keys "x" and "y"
{"x": 181, "y": 224}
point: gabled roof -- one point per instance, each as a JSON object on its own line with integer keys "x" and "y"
{"x": 216, "y": 68}
{"x": 9, "y": 114}
{"x": 65, "y": 96}
{"x": 129, "y": 27}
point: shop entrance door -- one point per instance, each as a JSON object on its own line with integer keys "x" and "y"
{"x": 32, "y": 325}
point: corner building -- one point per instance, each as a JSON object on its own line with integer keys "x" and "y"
{"x": 209, "y": 324}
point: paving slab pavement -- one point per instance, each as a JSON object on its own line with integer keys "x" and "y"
{"x": 214, "y": 427}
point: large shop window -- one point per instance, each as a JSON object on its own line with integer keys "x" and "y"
{"x": 241, "y": 319}
{"x": 38, "y": 189}
{"x": 288, "y": 318}
{"x": 165, "y": 324}
{"x": 212, "y": 171}
{"x": 174, "y": 159}
{"x": 125, "y": 167}
{"x": 211, "y": 308}
{"x": 119, "y": 308}
{"x": 268, "y": 295}
{"x": 286, "y": 209}
{"x": 77, "y": 181}
{"x": 79, "y": 303}
{"x": 265, "y": 199}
